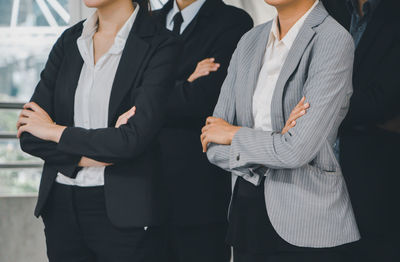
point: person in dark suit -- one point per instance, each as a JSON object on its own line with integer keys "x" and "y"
{"x": 370, "y": 134}
{"x": 100, "y": 195}
{"x": 198, "y": 192}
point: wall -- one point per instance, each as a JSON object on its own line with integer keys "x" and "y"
{"x": 258, "y": 9}
{"x": 21, "y": 234}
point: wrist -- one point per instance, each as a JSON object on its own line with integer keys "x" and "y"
{"x": 57, "y": 132}
{"x": 233, "y": 132}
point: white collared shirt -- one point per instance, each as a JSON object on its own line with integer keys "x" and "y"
{"x": 275, "y": 56}
{"x": 188, "y": 14}
{"x": 94, "y": 89}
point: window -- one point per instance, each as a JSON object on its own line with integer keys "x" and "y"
{"x": 28, "y": 30}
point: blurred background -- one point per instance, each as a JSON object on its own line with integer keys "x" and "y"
{"x": 28, "y": 29}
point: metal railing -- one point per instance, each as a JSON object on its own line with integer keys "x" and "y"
{"x": 13, "y": 135}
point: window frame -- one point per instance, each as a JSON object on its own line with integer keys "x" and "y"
{"x": 77, "y": 12}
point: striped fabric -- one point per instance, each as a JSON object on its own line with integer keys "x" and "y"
{"x": 305, "y": 192}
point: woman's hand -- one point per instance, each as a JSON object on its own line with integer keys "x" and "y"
{"x": 299, "y": 111}
{"x": 123, "y": 119}
{"x": 33, "y": 119}
{"x": 204, "y": 68}
{"x": 217, "y": 131}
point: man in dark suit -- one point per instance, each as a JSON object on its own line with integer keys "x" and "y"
{"x": 370, "y": 134}
{"x": 198, "y": 192}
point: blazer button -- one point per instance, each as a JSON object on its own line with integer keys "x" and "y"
{"x": 238, "y": 157}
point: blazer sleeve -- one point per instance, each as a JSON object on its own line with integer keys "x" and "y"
{"x": 43, "y": 95}
{"x": 198, "y": 98}
{"x": 114, "y": 145}
{"x": 328, "y": 88}
{"x": 225, "y": 109}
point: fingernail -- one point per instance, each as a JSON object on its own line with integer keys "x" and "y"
{"x": 303, "y": 112}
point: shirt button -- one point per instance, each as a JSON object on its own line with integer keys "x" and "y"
{"x": 238, "y": 157}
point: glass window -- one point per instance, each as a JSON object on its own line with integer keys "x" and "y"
{"x": 22, "y": 181}
{"x": 28, "y": 30}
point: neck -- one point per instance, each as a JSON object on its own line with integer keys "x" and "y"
{"x": 360, "y": 7}
{"x": 289, "y": 14}
{"x": 182, "y": 4}
{"x": 113, "y": 16}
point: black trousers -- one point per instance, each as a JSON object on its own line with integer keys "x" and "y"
{"x": 377, "y": 248}
{"x": 201, "y": 243}
{"x": 301, "y": 256}
{"x": 77, "y": 229}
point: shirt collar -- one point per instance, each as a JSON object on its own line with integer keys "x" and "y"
{"x": 91, "y": 24}
{"x": 368, "y": 8}
{"x": 188, "y": 14}
{"x": 290, "y": 37}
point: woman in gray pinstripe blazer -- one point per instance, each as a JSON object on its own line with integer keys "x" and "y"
{"x": 290, "y": 200}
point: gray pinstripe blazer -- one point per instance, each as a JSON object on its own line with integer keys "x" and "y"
{"x": 305, "y": 193}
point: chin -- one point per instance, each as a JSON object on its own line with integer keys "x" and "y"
{"x": 96, "y": 3}
{"x": 279, "y": 2}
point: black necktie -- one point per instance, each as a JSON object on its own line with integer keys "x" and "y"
{"x": 178, "y": 20}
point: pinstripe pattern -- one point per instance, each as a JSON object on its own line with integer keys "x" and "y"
{"x": 306, "y": 196}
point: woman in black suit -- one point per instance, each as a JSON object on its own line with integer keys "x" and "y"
{"x": 100, "y": 192}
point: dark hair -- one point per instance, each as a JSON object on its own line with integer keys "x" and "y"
{"x": 144, "y": 4}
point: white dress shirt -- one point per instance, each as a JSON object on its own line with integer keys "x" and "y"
{"x": 188, "y": 14}
{"x": 275, "y": 56}
{"x": 93, "y": 92}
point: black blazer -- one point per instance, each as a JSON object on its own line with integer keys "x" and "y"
{"x": 199, "y": 191}
{"x": 369, "y": 153}
{"x": 144, "y": 79}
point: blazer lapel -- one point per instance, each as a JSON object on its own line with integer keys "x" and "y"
{"x": 71, "y": 77}
{"x": 135, "y": 51}
{"x": 254, "y": 64}
{"x": 304, "y": 37}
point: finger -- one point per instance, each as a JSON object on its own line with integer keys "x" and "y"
{"x": 210, "y": 120}
{"x": 206, "y": 66}
{"x": 202, "y": 73}
{"x": 208, "y": 69}
{"x": 26, "y": 113}
{"x": 19, "y": 120}
{"x": 23, "y": 121}
{"x": 288, "y": 126}
{"x": 121, "y": 121}
{"x": 204, "y": 142}
{"x": 21, "y": 130}
{"x": 207, "y": 60}
{"x": 205, "y": 128}
{"x": 297, "y": 115}
{"x": 33, "y": 106}
{"x": 301, "y": 102}
{"x": 131, "y": 112}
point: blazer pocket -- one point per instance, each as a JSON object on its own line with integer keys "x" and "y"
{"x": 325, "y": 170}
